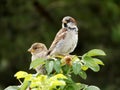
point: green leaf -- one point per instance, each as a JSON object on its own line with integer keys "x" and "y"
{"x": 80, "y": 86}
{"x": 91, "y": 63}
{"x": 57, "y": 66}
{"x": 70, "y": 86}
{"x": 76, "y": 67}
{"x": 96, "y": 52}
{"x": 25, "y": 85}
{"x": 12, "y": 88}
{"x": 83, "y": 74}
{"x": 66, "y": 69}
{"x": 69, "y": 80}
{"x": 92, "y": 88}
{"x": 37, "y": 62}
{"x": 49, "y": 66}
{"x": 98, "y": 61}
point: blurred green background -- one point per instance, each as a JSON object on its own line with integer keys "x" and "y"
{"x": 23, "y": 22}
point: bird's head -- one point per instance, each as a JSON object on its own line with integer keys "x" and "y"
{"x": 68, "y": 22}
{"x": 37, "y": 48}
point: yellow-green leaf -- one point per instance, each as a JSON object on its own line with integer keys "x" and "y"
{"x": 84, "y": 67}
{"x": 75, "y": 58}
{"x": 28, "y": 77}
{"x": 21, "y": 74}
{"x": 58, "y": 83}
{"x": 98, "y": 61}
{"x": 61, "y": 76}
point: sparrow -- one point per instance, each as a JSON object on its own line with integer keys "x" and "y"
{"x": 66, "y": 39}
{"x": 38, "y": 50}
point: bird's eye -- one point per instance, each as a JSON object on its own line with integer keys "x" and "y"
{"x": 65, "y": 24}
{"x": 68, "y": 21}
{"x": 35, "y": 48}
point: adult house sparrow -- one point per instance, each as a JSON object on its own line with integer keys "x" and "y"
{"x": 66, "y": 39}
{"x": 38, "y": 50}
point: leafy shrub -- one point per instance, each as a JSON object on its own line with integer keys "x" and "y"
{"x": 59, "y": 70}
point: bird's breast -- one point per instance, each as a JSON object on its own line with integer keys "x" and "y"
{"x": 70, "y": 41}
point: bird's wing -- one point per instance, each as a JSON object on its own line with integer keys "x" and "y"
{"x": 60, "y": 35}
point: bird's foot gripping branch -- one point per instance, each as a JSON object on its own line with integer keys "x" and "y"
{"x": 58, "y": 72}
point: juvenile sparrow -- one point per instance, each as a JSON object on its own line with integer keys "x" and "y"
{"x": 66, "y": 39}
{"x": 38, "y": 50}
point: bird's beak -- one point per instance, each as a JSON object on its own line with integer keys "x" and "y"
{"x": 30, "y": 50}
